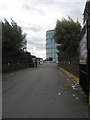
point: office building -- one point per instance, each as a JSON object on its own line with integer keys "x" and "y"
{"x": 51, "y": 46}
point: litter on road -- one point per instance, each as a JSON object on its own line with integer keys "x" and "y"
{"x": 60, "y": 93}
{"x": 73, "y": 95}
{"x": 73, "y": 86}
{"x": 12, "y": 74}
{"x": 77, "y": 98}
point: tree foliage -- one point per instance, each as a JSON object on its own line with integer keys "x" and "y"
{"x": 67, "y": 33}
{"x": 13, "y": 43}
{"x": 12, "y": 36}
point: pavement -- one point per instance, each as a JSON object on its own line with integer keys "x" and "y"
{"x": 42, "y": 92}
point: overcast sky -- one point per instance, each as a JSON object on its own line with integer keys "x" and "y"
{"x": 37, "y": 16}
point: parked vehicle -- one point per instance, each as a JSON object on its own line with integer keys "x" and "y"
{"x": 41, "y": 61}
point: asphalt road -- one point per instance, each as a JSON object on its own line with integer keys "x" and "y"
{"x": 41, "y": 92}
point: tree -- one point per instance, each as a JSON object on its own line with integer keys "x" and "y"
{"x": 19, "y": 36}
{"x": 67, "y": 33}
{"x": 13, "y": 41}
{"x": 12, "y": 36}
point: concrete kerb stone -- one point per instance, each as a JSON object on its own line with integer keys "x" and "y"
{"x": 69, "y": 74}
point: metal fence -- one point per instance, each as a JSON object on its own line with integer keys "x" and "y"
{"x": 71, "y": 63}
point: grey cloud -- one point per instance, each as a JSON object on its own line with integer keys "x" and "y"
{"x": 39, "y": 43}
{"x": 52, "y": 1}
{"x": 33, "y": 28}
{"x": 21, "y": 22}
{"x": 66, "y": 6}
{"x": 32, "y": 8}
{"x": 36, "y": 28}
{"x": 76, "y": 14}
{"x": 56, "y": 1}
{"x": 45, "y": 1}
{"x": 1, "y": 18}
{"x": 76, "y": 11}
{"x": 38, "y": 39}
{"x": 72, "y": 9}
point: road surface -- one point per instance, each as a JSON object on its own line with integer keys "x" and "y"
{"x": 41, "y": 92}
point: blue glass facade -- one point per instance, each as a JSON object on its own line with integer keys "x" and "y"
{"x": 51, "y": 49}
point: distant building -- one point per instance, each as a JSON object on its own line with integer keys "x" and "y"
{"x": 51, "y": 49}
